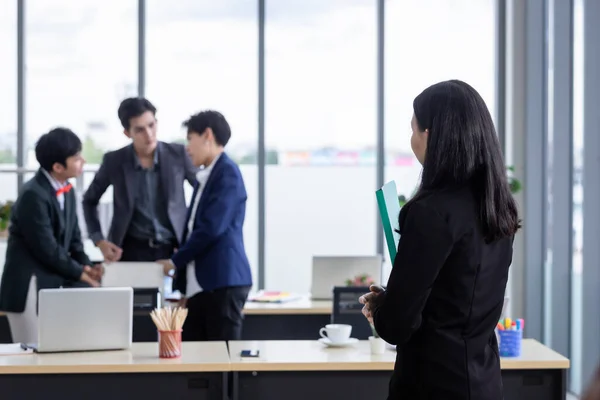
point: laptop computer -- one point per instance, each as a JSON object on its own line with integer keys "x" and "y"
{"x": 134, "y": 274}
{"x": 84, "y": 319}
{"x": 331, "y": 271}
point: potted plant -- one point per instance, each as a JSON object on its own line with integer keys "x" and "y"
{"x": 514, "y": 183}
{"x": 5, "y": 217}
{"x": 360, "y": 281}
{"x": 402, "y": 200}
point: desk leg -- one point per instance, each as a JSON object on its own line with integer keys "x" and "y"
{"x": 113, "y": 386}
{"x": 563, "y": 384}
{"x": 235, "y": 386}
{"x": 226, "y": 386}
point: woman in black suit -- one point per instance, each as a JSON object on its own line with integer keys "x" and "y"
{"x": 446, "y": 289}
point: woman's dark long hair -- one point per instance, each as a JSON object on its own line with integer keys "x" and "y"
{"x": 463, "y": 150}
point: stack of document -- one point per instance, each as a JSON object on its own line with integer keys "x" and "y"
{"x": 13, "y": 349}
{"x": 264, "y": 296}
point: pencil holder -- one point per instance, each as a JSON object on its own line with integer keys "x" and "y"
{"x": 169, "y": 344}
{"x": 510, "y": 343}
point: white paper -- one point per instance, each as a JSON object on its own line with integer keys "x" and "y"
{"x": 12, "y": 349}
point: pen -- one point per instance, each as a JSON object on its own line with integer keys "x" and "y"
{"x": 507, "y": 323}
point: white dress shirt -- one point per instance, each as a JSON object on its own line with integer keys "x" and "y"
{"x": 192, "y": 285}
{"x": 57, "y": 186}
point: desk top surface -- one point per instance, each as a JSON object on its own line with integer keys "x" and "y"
{"x": 297, "y": 355}
{"x": 535, "y": 355}
{"x": 142, "y": 357}
{"x": 300, "y": 355}
{"x": 308, "y": 355}
{"x": 300, "y": 306}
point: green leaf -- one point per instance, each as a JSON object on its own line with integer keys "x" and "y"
{"x": 514, "y": 184}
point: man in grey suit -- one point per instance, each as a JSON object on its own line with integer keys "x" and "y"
{"x": 147, "y": 176}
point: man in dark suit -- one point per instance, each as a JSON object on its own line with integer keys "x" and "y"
{"x": 44, "y": 244}
{"x": 211, "y": 268}
{"x": 148, "y": 197}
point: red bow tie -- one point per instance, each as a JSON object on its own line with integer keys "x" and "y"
{"x": 64, "y": 189}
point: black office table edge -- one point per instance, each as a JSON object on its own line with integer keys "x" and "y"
{"x": 519, "y": 384}
{"x": 116, "y": 386}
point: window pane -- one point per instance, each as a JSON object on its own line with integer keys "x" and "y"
{"x": 548, "y": 293}
{"x": 320, "y": 122}
{"x": 421, "y": 38}
{"x": 578, "y": 142}
{"x": 204, "y": 55}
{"x": 8, "y": 99}
{"x": 81, "y": 62}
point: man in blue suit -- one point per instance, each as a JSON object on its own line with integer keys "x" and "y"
{"x": 211, "y": 268}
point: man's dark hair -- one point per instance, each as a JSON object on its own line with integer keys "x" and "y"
{"x": 56, "y": 146}
{"x": 134, "y": 107}
{"x": 198, "y": 123}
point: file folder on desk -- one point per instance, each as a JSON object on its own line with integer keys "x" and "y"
{"x": 273, "y": 297}
{"x": 389, "y": 209}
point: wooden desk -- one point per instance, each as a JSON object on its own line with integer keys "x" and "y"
{"x": 535, "y": 355}
{"x": 303, "y": 306}
{"x": 144, "y": 329}
{"x": 294, "y": 320}
{"x": 201, "y": 373}
{"x": 308, "y": 369}
{"x": 540, "y": 373}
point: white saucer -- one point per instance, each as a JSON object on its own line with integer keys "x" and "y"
{"x": 329, "y": 343}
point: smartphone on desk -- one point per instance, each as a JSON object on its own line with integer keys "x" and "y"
{"x": 249, "y": 353}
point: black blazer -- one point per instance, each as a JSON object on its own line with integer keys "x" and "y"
{"x": 117, "y": 169}
{"x": 43, "y": 240}
{"x": 443, "y": 300}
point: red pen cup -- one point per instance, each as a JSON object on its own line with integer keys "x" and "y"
{"x": 169, "y": 344}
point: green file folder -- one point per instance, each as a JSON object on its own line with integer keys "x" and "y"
{"x": 389, "y": 209}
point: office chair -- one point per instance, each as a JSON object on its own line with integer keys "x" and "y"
{"x": 144, "y": 301}
{"x": 347, "y": 310}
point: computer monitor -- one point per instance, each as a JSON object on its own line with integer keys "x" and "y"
{"x": 134, "y": 274}
{"x": 331, "y": 271}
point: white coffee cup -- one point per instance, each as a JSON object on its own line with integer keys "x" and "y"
{"x": 377, "y": 345}
{"x": 337, "y": 333}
